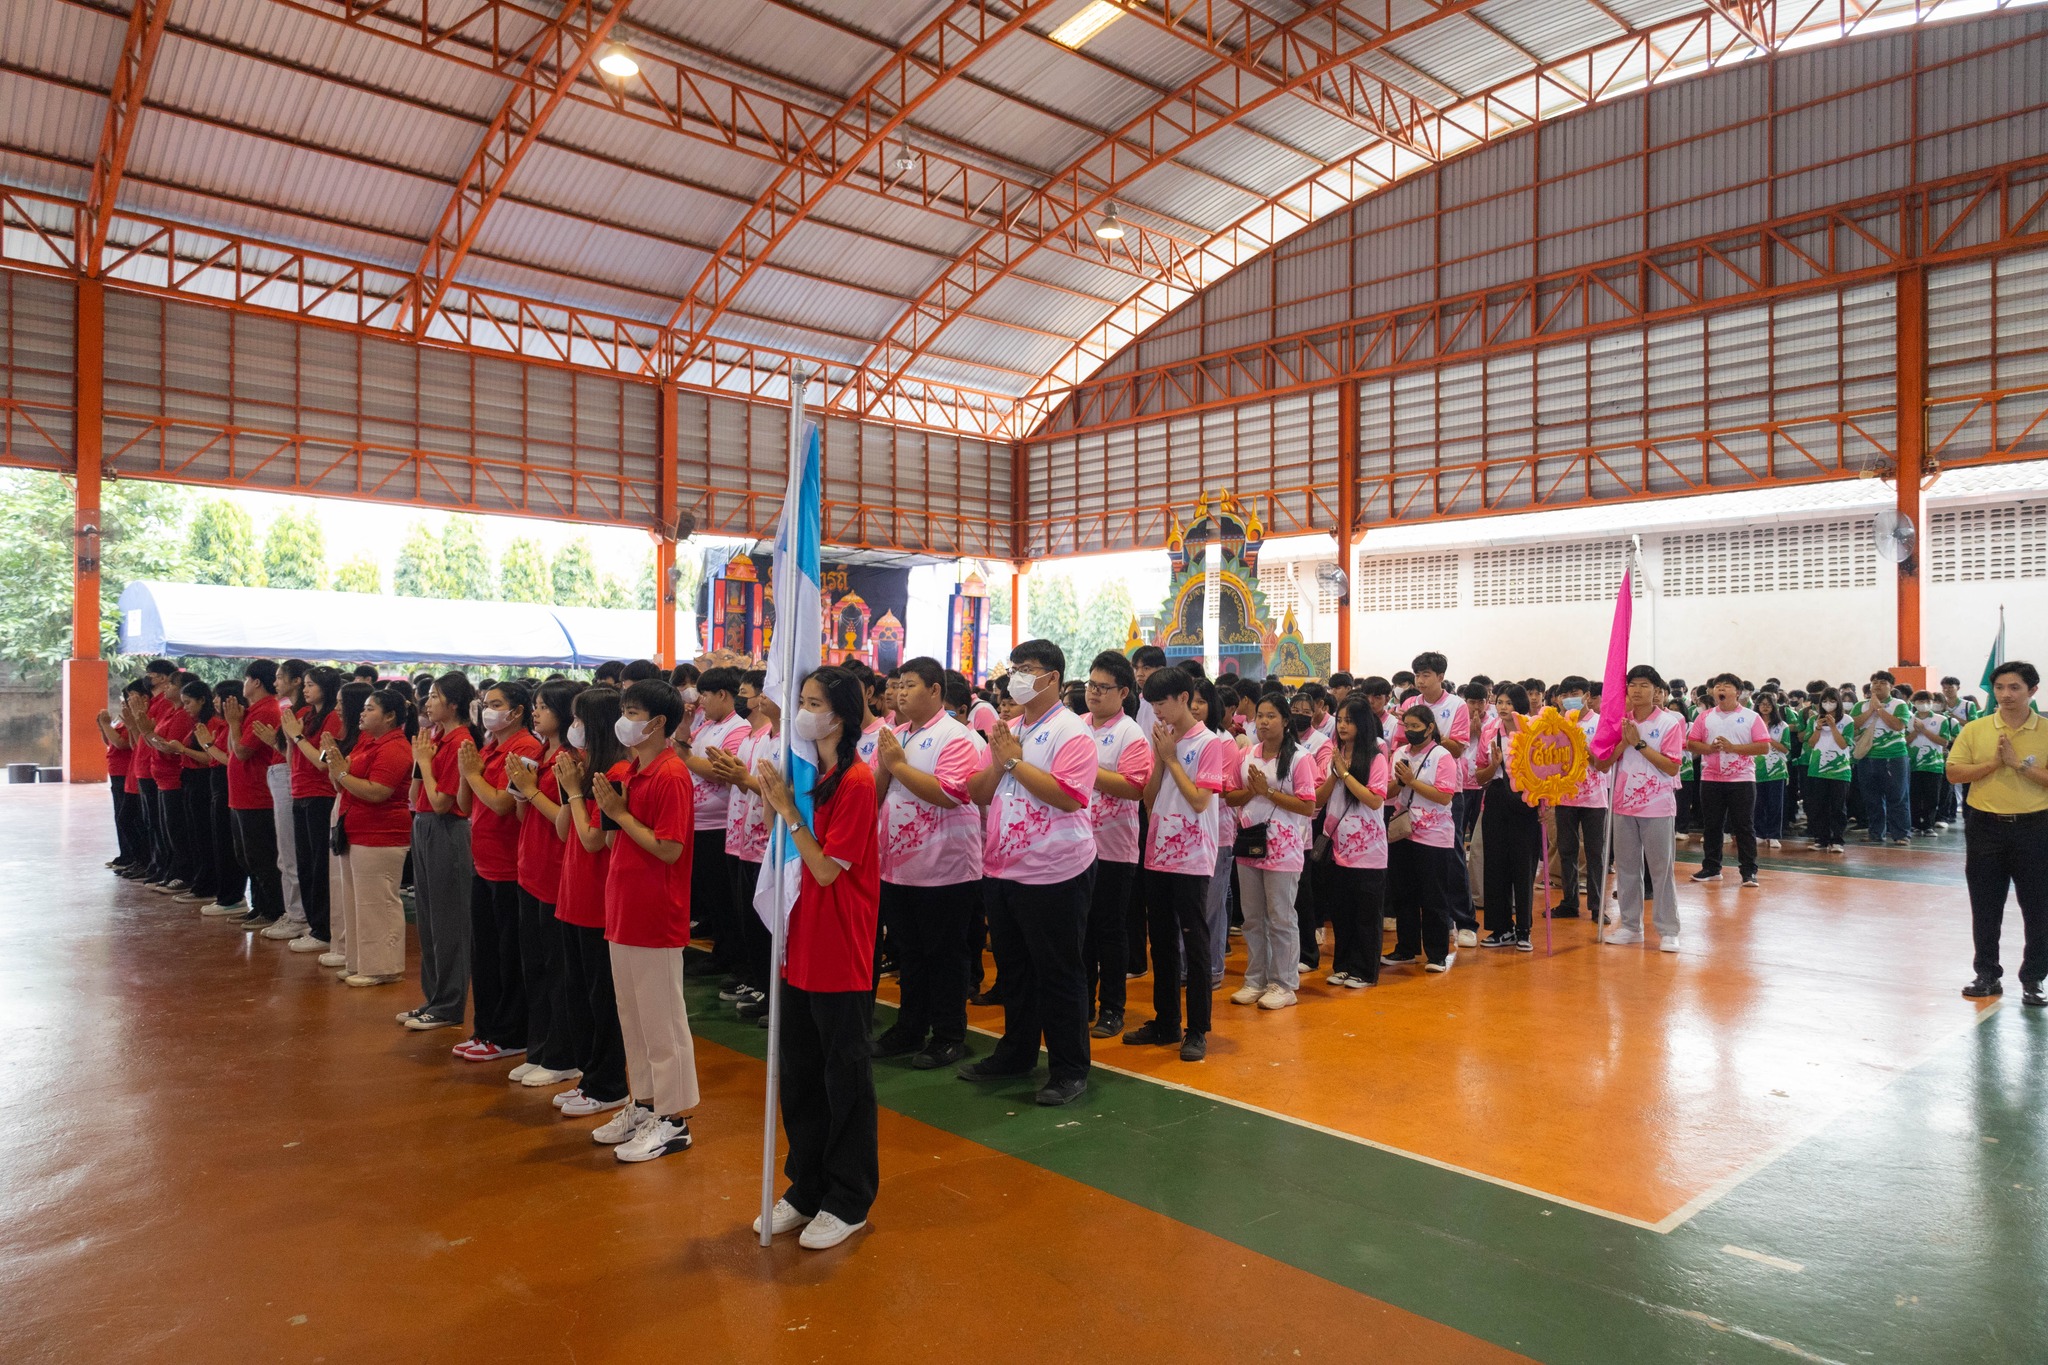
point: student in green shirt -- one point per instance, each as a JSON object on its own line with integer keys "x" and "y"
{"x": 1772, "y": 770}
{"x": 1881, "y": 725}
{"x": 1928, "y": 737}
{"x": 1828, "y": 773}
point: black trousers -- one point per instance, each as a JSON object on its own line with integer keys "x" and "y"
{"x": 2007, "y": 854}
{"x": 1514, "y": 838}
{"x": 828, "y": 1104}
{"x": 1926, "y": 798}
{"x": 231, "y": 878}
{"x": 546, "y": 987}
{"x": 1177, "y": 916}
{"x": 1422, "y": 881}
{"x": 1581, "y": 827}
{"x": 928, "y": 927}
{"x": 495, "y": 976}
{"x": 590, "y": 1021}
{"x": 1311, "y": 908}
{"x": 178, "y": 831}
{"x": 1827, "y": 817}
{"x": 757, "y": 945}
{"x": 129, "y": 835}
{"x": 197, "y": 797}
{"x": 1730, "y": 806}
{"x": 711, "y": 899}
{"x": 256, "y": 846}
{"x": 1037, "y": 932}
{"x": 1135, "y": 917}
{"x": 1107, "y": 949}
{"x": 157, "y": 860}
{"x": 310, "y": 839}
{"x": 1357, "y": 908}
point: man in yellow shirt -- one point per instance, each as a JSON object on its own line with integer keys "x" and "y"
{"x": 2003, "y": 757}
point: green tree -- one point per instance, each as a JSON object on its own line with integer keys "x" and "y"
{"x": 359, "y": 574}
{"x": 574, "y": 575}
{"x": 614, "y": 594}
{"x": 1105, "y": 623}
{"x": 465, "y": 563}
{"x": 998, "y": 604}
{"x": 418, "y": 570}
{"x": 295, "y": 551}
{"x": 141, "y": 537}
{"x": 1052, "y": 613}
{"x": 221, "y": 545}
{"x": 523, "y": 573}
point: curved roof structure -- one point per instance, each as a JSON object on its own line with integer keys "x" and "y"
{"x": 905, "y": 197}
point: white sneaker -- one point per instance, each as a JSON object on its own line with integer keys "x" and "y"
{"x": 1669, "y": 945}
{"x": 1450, "y": 960}
{"x": 1247, "y": 994}
{"x": 628, "y": 1122}
{"x": 541, "y": 1076}
{"x": 1624, "y": 936}
{"x": 358, "y": 979}
{"x": 1277, "y": 997}
{"x": 1775, "y": 843}
{"x": 188, "y": 898}
{"x": 656, "y": 1139}
{"x": 1354, "y": 983}
{"x": 238, "y": 908}
{"x": 582, "y": 1105}
{"x": 565, "y": 1096}
{"x": 285, "y": 930}
{"x": 306, "y": 943}
{"x": 1468, "y": 938}
{"x": 426, "y": 1023}
{"x": 827, "y": 1231}
{"x": 782, "y": 1218}
{"x": 333, "y": 959}
{"x": 522, "y": 1071}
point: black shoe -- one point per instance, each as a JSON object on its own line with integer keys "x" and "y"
{"x": 1522, "y": 944}
{"x": 1499, "y": 938}
{"x": 1194, "y": 1047}
{"x": 1983, "y": 988}
{"x": 1108, "y": 1026}
{"x": 1056, "y": 1093}
{"x": 937, "y": 1055}
{"x": 2031, "y": 995}
{"x": 1152, "y": 1033}
{"x": 894, "y": 1044}
{"x": 977, "y": 998}
{"x": 987, "y": 1070}
{"x": 1396, "y": 959}
{"x": 730, "y": 988}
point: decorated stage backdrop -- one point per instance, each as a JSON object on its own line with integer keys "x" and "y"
{"x": 864, "y": 608}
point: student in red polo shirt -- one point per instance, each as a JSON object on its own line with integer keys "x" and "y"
{"x": 650, "y": 822}
{"x": 193, "y": 741}
{"x": 249, "y": 800}
{"x": 828, "y": 1082}
{"x": 376, "y": 831}
{"x": 171, "y": 730}
{"x": 120, "y": 761}
{"x": 441, "y": 866}
{"x": 496, "y": 978}
{"x": 591, "y": 1005}
{"x": 550, "y": 1057}
{"x": 317, "y": 717}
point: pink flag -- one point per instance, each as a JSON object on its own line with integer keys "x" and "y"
{"x": 1613, "y": 683}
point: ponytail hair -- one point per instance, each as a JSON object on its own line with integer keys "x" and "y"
{"x": 849, "y": 703}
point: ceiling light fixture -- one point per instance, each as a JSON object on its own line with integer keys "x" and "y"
{"x": 1111, "y": 228}
{"x": 619, "y": 63}
{"x": 1096, "y": 16}
{"x": 904, "y": 163}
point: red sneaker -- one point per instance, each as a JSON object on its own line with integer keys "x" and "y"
{"x": 480, "y": 1051}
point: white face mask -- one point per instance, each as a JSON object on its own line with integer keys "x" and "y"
{"x": 689, "y": 695}
{"x": 1571, "y": 703}
{"x": 631, "y": 732}
{"x": 1923, "y": 708}
{"x": 816, "y": 726}
{"x": 1023, "y": 687}
{"x": 1827, "y": 706}
{"x": 496, "y": 718}
{"x": 576, "y": 734}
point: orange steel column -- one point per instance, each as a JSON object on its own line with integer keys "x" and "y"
{"x": 1017, "y": 540}
{"x": 665, "y": 538}
{"x": 1911, "y": 368}
{"x": 1347, "y": 508}
{"x": 85, "y": 672}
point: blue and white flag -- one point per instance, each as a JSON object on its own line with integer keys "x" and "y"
{"x": 794, "y": 652}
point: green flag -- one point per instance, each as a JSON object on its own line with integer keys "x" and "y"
{"x": 1997, "y": 653}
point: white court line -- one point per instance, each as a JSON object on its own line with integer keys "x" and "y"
{"x": 1670, "y": 1223}
{"x": 1779, "y": 1262}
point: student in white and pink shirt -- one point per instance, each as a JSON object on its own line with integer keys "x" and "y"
{"x": 1038, "y": 870}
{"x": 982, "y": 718}
{"x": 1582, "y": 816}
{"x": 1145, "y": 661}
{"x": 1193, "y": 767}
{"x": 1728, "y": 737}
{"x": 1354, "y": 794}
{"x": 1454, "y": 733}
{"x": 931, "y": 849}
{"x": 1423, "y": 869}
{"x": 746, "y": 836}
{"x": 1123, "y": 764}
{"x": 1277, "y": 792}
{"x": 1646, "y": 810}
{"x": 1510, "y": 826}
{"x": 719, "y": 726}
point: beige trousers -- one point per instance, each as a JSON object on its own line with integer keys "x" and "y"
{"x": 369, "y": 911}
{"x": 661, "y": 1060}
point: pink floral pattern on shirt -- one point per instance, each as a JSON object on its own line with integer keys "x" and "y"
{"x": 1639, "y": 789}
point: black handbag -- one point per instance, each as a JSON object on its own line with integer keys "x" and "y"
{"x": 337, "y": 837}
{"x": 1250, "y": 841}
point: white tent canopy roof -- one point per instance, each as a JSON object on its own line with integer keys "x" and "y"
{"x": 205, "y": 619}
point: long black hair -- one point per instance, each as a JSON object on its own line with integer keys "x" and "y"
{"x": 1428, "y": 718}
{"x": 396, "y": 703}
{"x": 198, "y": 691}
{"x": 1285, "y": 760}
{"x": 349, "y": 699}
{"x": 598, "y": 709}
{"x": 849, "y": 703}
{"x": 329, "y": 682}
{"x": 520, "y": 695}
{"x": 460, "y": 693}
{"x": 558, "y": 697}
{"x": 1206, "y": 690}
{"x": 1365, "y": 734}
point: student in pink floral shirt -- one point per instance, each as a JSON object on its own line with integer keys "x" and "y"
{"x": 1423, "y": 872}
{"x": 1646, "y": 810}
{"x": 1278, "y": 794}
{"x": 1354, "y": 797}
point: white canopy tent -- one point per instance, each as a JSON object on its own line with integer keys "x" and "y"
{"x": 204, "y": 619}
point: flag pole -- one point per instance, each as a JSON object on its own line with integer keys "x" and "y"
{"x": 778, "y": 930}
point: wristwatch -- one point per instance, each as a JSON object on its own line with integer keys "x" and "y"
{"x": 1010, "y": 764}
{"x": 1640, "y": 746}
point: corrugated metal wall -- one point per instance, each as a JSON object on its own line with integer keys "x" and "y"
{"x": 36, "y": 331}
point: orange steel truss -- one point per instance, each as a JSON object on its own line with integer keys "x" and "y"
{"x": 124, "y": 103}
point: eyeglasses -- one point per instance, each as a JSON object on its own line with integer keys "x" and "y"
{"x": 1098, "y": 688}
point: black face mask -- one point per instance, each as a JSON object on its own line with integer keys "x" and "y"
{"x": 739, "y": 706}
{"x": 1417, "y": 736}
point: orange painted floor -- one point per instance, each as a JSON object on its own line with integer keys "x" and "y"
{"x": 1627, "y": 1080}
{"x": 210, "y": 1152}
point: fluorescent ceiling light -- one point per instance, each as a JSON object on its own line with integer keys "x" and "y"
{"x": 1096, "y": 16}
{"x": 618, "y": 62}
